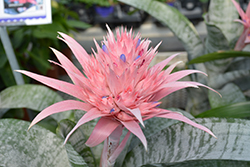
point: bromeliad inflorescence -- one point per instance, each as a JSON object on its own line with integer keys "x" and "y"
{"x": 118, "y": 87}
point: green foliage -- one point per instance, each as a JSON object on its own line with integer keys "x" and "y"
{"x": 183, "y": 144}
{"x": 35, "y": 97}
{"x": 6, "y": 76}
{"x": 36, "y": 147}
{"x": 219, "y": 55}
{"x": 78, "y": 24}
{"x": 215, "y": 39}
{"x": 232, "y": 94}
{"x": 236, "y": 110}
{"x": 222, "y": 14}
{"x": 77, "y": 140}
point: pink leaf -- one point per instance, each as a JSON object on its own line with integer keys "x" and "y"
{"x": 104, "y": 156}
{"x": 65, "y": 87}
{"x": 119, "y": 149}
{"x": 81, "y": 55}
{"x": 168, "y": 89}
{"x": 179, "y": 85}
{"x": 60, "y": 107}
{"x": 114, "y": 83}
{"x": 180, "y": 117}
{"x": 103, "y": 128}
{"x": 180, "y": 74}
{"x": 90, "y": 115}
{"x": 68, "y": 65}
{"x": 133, "y": 127}
{"x": 116, "y": 134}
{"x": 240, "y": 11}
{"x": 137, "y": 113}
{"x": 248, "y": 10}
{"x": 241, "y": 41}
{"x": 171, "y": 67}
{"x": 158, "y": 67}
{"x": 79, "y": 80}
{"x": 110, "y": 145}
{"x": 199, "y": 84}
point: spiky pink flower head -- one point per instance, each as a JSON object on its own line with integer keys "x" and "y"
{"x": 118, "y": 86}
{"x": 245, "y": 20}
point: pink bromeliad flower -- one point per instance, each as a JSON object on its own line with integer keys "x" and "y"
{"x": 118, "y": 87}
{"x": 245, "y": 36}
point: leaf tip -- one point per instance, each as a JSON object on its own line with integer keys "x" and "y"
{"x": 29, "y": 127}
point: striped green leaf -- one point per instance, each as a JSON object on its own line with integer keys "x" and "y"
{"x": 230, "y": 94}
{"x": 36, "y": 147}
{"x": 223, "y": 13}
{"x": 77, "y": 140}
{"x": 35, "y": 97}
{"x": 154, "y": 125}
{"x": 215, "y": 40}
{"x": 184, "y": 145}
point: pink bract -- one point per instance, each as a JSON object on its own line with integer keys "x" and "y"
{"x": 245, "y": 20}
{"x": 118, "y": 86}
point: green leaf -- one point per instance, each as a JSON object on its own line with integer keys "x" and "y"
{"x": 45, "y": 33}
{"x": 3, "y": 56}
{"x": 7, "y": 75}
{"x": 3, "y": 59}
{"x": 77, "y": 140}
{"x": 219, "y": 55}
{"x": 237, "y": 110}
{"x": 36, "y": 147}
{"x": 18, "y": 37}
{"x": 230, "y": 94}
{"x": 39, "y": 59}
{"x": 49, "y": 123}
{"x": 35, "y": 97}
{"x": 49, "y": 30}
{"x": 175, "y": 21}
{"x": 182, "y": 143}
{"x": 222, "y": 14}
{"x": 78, "y": 24}
{"x": 215, "y": 40}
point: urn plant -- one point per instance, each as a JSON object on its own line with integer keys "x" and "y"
{"x": 117, "y": 88}
{"x": 118, "y": 95}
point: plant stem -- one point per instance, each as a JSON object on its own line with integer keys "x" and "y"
{"x": 110, "y": 145}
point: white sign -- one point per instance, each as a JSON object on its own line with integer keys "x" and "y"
{"x": 25, "y": 12}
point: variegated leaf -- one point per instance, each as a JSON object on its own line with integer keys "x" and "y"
{"x": 184, "y": 144}
{"x": 36, "y": 147}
